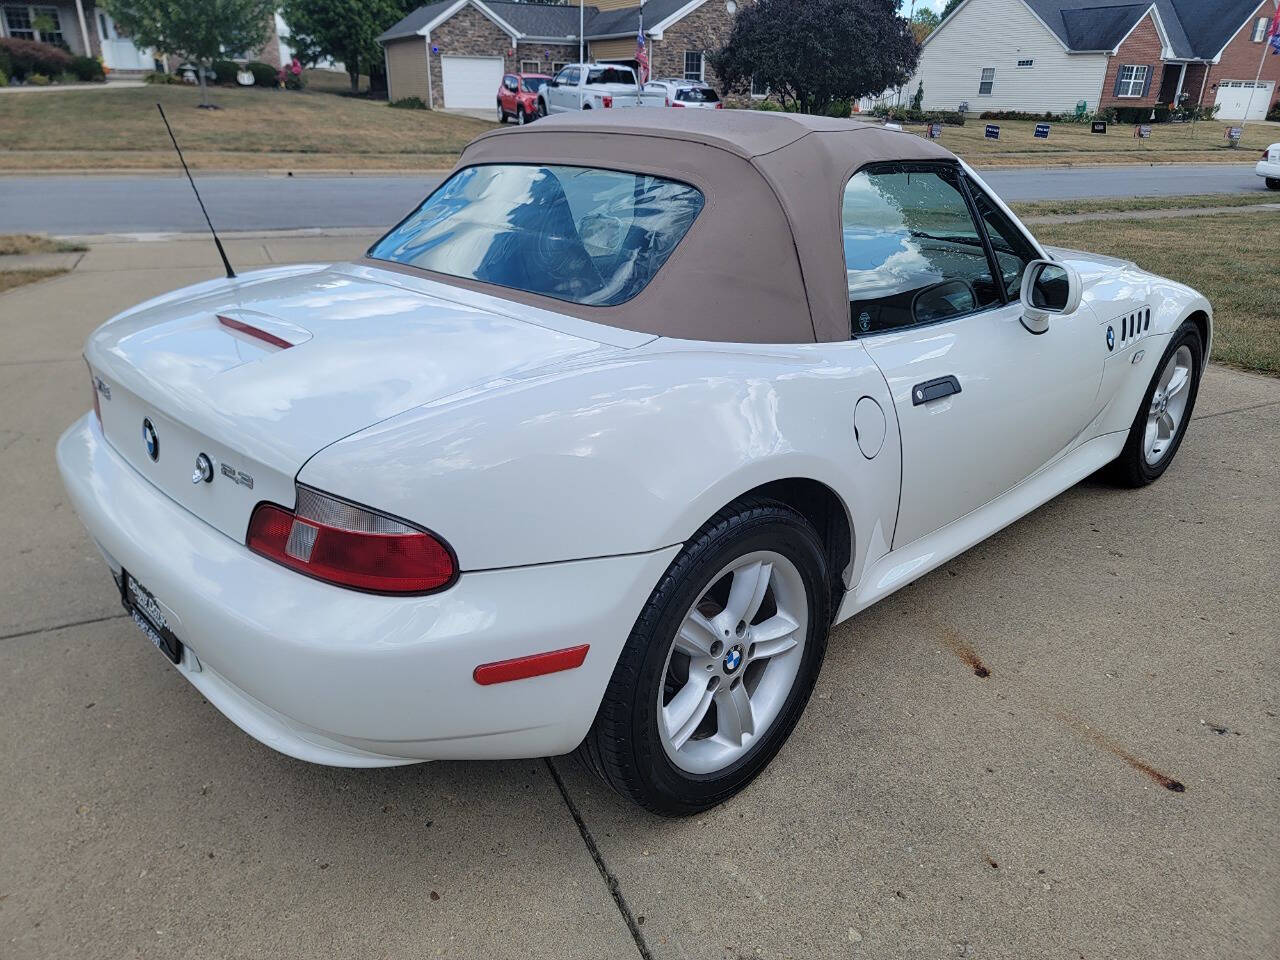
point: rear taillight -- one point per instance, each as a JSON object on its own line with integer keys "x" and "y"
{"x": 351, "y": 546}
{"x": 606, "y": 102}
{"x": 676, "y": 103}
{"x": 719, "y": 106}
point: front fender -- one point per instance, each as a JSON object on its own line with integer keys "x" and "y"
{"x": 626, "y": 455}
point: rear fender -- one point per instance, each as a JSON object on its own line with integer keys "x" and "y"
{"x": 625, "y": 455}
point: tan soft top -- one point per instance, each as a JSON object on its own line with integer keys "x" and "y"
{"x": 764, "y": 260}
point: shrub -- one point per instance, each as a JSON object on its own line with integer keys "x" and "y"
{"x": 952, "y": 118}
{"x": 264, "y": 74}
{"x": 158, "y": 77}
{"x": 1273, "y": 115}
{"x": 87, "y": 69}
{"x": 408, "y": 103}
{"x": 38, "y": 80}
{"x": 838, "y": 108}
{"x": 4, "y": 79}
{"x": 224, "y": 72}
{"x": 26, "y": 57}
{"x": 1142, "y": 114}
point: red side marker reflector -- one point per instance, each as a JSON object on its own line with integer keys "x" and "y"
{"x": 553, "y": 661}
{"x": 251, "y": 331}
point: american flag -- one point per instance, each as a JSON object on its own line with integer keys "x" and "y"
{"x": 1274, "y": 34}
{"x": 642, "y": 52}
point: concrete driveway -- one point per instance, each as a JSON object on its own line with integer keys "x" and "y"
{"x": 988, "y": 767}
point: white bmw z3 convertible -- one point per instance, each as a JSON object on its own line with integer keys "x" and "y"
{"x": 592, "y": 449}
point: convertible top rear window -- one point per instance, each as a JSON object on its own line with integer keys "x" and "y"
{"x": 582, "y": 234}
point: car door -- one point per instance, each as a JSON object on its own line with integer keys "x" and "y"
{"x": 564, "y": 95}
{"x": 934, "y": 270}
{"x": 507, "y": 94}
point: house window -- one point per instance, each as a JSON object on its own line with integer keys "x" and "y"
{"x": 693, "y": 65}
{"x": 530, "y": 66}
{"x": 24, "y": 23}
{"x": 18, "y": 22}
{"x": 1260, "y": 30}
{"x": 557, "y": 66}
{"x": 1025, "y": 63}
{"x": 987, "y": 82}
{"x": 1132, "y": 80}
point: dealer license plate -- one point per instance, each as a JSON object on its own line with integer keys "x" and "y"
{"x": 141, "y": 604}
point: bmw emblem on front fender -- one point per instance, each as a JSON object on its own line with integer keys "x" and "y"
{"x": 150, "y": 439}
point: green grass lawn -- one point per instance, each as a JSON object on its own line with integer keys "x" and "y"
{"x": 256, "y": 129}
{"x": 1072, "y": 143}
{"x": 1227, "y": 257}
{"x": 1044, "y": 208}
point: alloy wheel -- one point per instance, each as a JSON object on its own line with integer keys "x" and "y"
{"x": 1168, "y": 405}
{"x": 733, "y": 662}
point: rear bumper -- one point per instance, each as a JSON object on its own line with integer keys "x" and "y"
{"x": 349, "y": 679}
{"x": 1268, "y": 168}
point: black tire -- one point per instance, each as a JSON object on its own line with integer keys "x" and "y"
{"x": 1131, "y": 468}
{"x": 624, "y": 746}
{"x": 521, "y": 117}
{"x": 1273, "y": 183}
{"x": 542, "y": 107}
{"x": 502, "y": 114}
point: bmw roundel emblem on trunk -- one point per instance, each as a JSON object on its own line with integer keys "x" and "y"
{"x": 150, "y": 439}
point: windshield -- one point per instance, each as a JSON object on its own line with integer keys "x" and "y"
{"x": 581, "y": 234}
{"x": 697, "y": 95}
{"x": 611, "y": 75}
{"x": 533, "y": 84}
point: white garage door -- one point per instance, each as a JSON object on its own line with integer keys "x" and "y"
{"x": 1233, "y": 97}
{"x": 471, "y": 82}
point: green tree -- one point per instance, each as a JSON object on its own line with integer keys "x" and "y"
{"x": 951, "y": 5}
{"x": 923, "y": 22}
{"x": 345, "y": 30}
{"x": 812, "y": 52}
{"x": 201, "y": 31}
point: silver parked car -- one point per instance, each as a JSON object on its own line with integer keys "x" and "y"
{"x": 674, "y": 92}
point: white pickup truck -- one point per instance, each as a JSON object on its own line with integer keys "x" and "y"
{"x": 594, "y": 86}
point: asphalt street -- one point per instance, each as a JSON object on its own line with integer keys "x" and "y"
{"x": 163, "y": 204}
{"x": 1129, "y": 646}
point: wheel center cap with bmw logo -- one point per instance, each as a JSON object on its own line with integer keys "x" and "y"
{"x": 150, "y": 439}
{"x": 733, "y": 660}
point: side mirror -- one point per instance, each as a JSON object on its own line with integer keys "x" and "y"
{"x": 553, "y": 82}
{"x": 1048, "y": 288}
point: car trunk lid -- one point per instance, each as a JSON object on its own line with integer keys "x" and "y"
{"x": 260, "y": 373}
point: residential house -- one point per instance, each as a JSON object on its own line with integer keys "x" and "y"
{"x": 453, "y": 54}
{"x": 1049, "y": 55}
{"x": 88, "y": 30}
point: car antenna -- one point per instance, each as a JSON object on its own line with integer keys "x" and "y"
{"x": 231, "y": 274}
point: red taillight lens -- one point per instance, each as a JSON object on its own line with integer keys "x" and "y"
{"x": 351, "y": 546}
{"x": 606, "y": 102}
{"x": 719, "y": 106}
{"x": 676, "y": 103}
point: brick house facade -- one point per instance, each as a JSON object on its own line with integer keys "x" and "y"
{"x": 1052, "y": 55}
{"x": 1163, "y": 80}
{"x": 679, "y": 34}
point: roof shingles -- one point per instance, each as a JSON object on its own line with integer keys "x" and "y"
{"x": 1196, "y": 29}
{"x": 545, "y": 21}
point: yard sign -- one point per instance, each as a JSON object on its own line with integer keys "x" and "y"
{"x": 993, "y": 131}
{"x": 1042, "y": 131}
{"x": 935, "y": 131}
{"x": 1099, "y": 126}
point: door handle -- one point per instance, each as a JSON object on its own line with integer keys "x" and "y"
{"x": 934, "y": 390}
